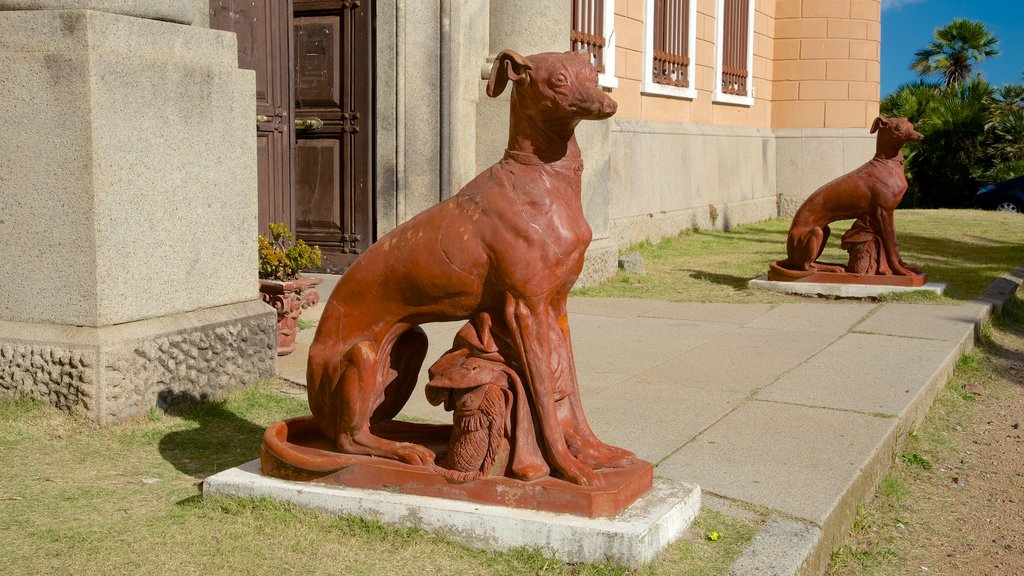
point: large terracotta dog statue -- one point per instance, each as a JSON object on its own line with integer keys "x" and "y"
{"x": 502, "y": 253}
{"x": 869, "y": 194}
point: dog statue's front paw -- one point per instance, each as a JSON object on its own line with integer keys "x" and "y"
{"x": 605, "y": 456}
{"x": 908, "y": 270}
{"x": 579, "y": 473}
{"x": 412, "y": 453}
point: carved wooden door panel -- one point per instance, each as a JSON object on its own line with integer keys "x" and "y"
{"x": 263, "y": 28}
{"x": 333, "y": 59}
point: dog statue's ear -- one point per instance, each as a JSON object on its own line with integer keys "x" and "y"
{"x": 880, "y": 122}
{"x": 508, "y": 65}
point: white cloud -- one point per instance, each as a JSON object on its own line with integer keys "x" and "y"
{"x": 895, "y": 4}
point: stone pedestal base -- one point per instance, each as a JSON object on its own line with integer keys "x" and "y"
{"x": 296, "y": 450}
{"x": 837, "y": 290}
{"x": 115, "y": 372}
{"x": 777, "y": 273}
{"x": 634, "y": 537}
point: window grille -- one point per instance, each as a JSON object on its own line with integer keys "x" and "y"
{"x": 587, "y": 33}
{"x": 735, "y": 21}
{"x": 671, "y": 45}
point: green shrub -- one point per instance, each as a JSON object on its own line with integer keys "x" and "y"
{"x": 282, "y": 257}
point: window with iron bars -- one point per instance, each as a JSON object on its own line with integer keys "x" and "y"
{"x": 735, "y": 51}
{"x": 592, "y": 34}
{"x": 671, "y": 48}
{"x": 669, "y": 45}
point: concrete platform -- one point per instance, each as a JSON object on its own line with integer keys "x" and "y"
{"x": 797, "y": 407}
{"x": 632, "y": 538}
{"x": 839, "y": 290}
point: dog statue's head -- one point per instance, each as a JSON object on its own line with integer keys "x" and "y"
{"x": 551, "y": 85}
{"x": 900, "y": 129}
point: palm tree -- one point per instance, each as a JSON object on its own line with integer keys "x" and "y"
{"x": 911, "y": 100}
{"x": 958, "y": 47}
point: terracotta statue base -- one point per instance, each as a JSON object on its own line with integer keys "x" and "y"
{"x": 779, "y": 274}
{"x": 296, "y": 450}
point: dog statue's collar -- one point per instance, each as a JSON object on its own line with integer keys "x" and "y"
{"x": 532, "y": 160}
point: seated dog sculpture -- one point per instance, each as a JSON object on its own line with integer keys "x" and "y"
{"x": 503, "y": 253}
{"x": 869, "y": 194}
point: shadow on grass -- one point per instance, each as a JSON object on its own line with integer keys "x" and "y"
{"x": 221, "y": 440}
{"x": 736, "y": 282}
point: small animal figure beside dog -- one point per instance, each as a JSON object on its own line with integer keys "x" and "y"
{"x": 869, "y": 195}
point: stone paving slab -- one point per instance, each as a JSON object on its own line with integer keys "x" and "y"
{"x": 795, "y": 459}
{"x": 739, "y": 360}
{"x": 626, "y": 346}
{"x": 932, "y": 321}
{"x": 709, "y": 312}
{"x": 813, "y": 317}
{"x": 865, "y": 373}
{"x": 781, "y": 548}
{"x": 654, "y": 420}
{"x": 613, "y": 307}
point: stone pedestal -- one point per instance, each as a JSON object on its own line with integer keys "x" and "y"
{"x": 633, "y": 538}
{"x": 128, "y": 206}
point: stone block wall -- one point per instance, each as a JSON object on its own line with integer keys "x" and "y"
{"x": 688, "y": 176}
{"x": 826, "y": 63}
{"x": 811, "y": 157}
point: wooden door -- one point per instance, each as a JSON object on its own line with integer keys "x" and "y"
{"x": 334, "y": 163}
{"x": 263, "y": 28}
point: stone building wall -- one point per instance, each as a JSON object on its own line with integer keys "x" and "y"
{"x": 827, "y": 71}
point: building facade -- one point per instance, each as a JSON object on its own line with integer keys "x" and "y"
{"x": 730, "y": 111}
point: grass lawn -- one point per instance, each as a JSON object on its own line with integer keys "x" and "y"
{"x": 966, "y": 249}
{"x": 76, "y": 498}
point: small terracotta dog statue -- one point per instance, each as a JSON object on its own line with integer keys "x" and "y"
{"x": 507, "y": 247}
{"x": 870, "y": 194}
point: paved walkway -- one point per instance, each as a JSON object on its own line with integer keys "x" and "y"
{"x": 795, "y": 407}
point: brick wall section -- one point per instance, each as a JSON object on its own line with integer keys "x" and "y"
{"x": 629, "y": 66}
{"x": 826, "y": 67}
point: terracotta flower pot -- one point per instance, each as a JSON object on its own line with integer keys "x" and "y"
{"x": 289, "y": 298}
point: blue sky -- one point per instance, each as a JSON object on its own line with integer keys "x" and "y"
{"x": 908, "y": 26}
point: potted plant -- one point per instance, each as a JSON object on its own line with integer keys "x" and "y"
{"x": 281, "y": 285}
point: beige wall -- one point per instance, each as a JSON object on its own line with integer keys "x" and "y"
{"x": 816, "y": 65}
{"x": 630, "y": 33}
{"x": 826, "y": 63}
